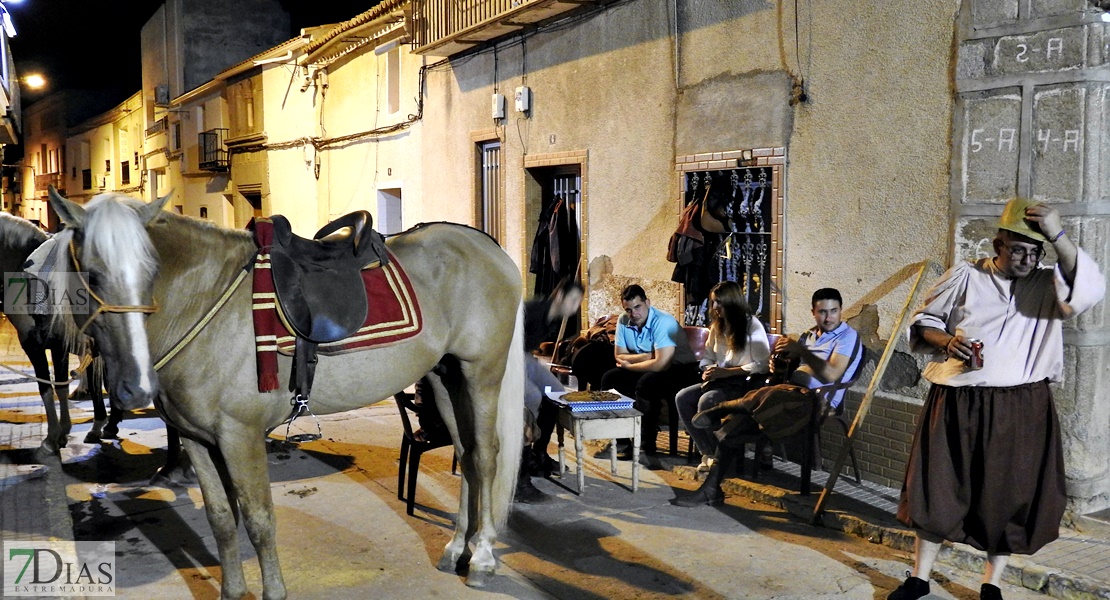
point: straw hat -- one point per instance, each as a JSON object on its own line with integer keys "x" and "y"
{"x": 1013, "y": 219}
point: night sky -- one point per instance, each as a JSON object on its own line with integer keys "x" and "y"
{"x": 94, "y": 44}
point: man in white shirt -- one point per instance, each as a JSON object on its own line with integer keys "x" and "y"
{"x": 986, "y": 467}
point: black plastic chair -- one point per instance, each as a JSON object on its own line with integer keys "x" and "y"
{"x": 412, "y": 449}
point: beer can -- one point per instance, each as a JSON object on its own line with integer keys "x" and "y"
{"x": 975, "y": 361}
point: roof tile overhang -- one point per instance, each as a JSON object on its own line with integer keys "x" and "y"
{"x": 380, "y": 25}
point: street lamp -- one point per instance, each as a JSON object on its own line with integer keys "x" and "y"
{"x": 34, "y": 81}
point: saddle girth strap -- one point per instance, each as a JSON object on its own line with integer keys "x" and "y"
{"x": 304, "y": 368}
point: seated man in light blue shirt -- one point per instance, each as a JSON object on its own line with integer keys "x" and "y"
{"x": 654, "y": 361}
{"x": 828, "y": 351}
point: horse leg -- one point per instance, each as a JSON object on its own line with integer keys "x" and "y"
{"x": 95, "y": 389}
{"x": 456, "y": 552}
{"x": 246, "y": 463}
{"x": 61, "y": 391}
{"x": 480, "y": 521}
{"x": 177, "y": 469}
{"x": 49, "y": 446}
{"x": 495, "y": 408}
{"x": 223, "y": 516}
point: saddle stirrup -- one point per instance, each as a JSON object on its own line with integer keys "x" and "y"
{"x": 300, "y": 407}
{"x": 300, "y": 383}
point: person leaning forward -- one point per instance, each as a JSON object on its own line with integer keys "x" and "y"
{"x": 654, "y": 361}
{"x": 986, "y": 467}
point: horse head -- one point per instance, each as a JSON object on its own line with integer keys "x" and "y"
{"x": 112, "y": 257}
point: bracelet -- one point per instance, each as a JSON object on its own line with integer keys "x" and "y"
{"x": 1058, "y": 236}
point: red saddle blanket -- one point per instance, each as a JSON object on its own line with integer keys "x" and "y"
{"x": 394, "y": 313}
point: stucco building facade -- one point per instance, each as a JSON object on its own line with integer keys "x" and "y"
{"x": 888, "y": 135}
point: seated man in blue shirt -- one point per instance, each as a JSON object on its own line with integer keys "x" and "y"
{"x": 828, "y": 350}
{"x": 825, "y": 354}
{"x": 654, "y": 361}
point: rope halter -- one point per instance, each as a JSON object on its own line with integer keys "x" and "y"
{"x": 104, "y": 307}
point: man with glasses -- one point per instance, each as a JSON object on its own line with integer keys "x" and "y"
{"x": 986, "y": 467}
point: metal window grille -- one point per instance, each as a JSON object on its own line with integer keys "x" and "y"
{"x": 491, "y": 189}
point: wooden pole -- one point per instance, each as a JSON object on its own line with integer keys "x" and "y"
{"x": 865, "y": 404}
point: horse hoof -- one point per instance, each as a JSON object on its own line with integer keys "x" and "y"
{"x": 447, "y": 564}
{"x": 160, "y": 480}
{"x": 45, "y": 451}
{"x": 477, "y": 579}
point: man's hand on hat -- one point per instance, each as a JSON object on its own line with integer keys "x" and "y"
{"x": 1047, "y": 219}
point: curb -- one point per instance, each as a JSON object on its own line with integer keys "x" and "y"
{"x": 1020, "y": 571}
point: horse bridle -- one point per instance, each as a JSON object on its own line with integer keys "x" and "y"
{"x": 104, "y": 306}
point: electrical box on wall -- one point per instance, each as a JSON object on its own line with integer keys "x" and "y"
{"x": 523, "y": 99}
{"x": 498, "y": 106}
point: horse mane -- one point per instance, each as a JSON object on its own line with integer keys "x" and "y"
{"x": 114, "y": 233}
{"x": 19, "y": 234}
{"x": 198, "y": 256}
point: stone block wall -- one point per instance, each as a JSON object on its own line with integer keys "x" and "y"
{"x": 1032, "y": 118}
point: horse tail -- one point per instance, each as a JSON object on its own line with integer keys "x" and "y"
{"x": 510, "y": 424}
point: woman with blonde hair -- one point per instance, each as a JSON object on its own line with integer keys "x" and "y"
{"x": 736, "y": 354}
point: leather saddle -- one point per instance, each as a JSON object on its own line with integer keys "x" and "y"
{"x": 318, "y": 281}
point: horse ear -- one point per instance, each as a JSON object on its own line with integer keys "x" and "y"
{"x": 152, "y": 210}
{"x": 71, "y": 213}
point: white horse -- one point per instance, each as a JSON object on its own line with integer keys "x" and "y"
{"x": 469, "y": 292}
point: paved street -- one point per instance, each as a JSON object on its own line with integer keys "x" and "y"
{"x": 343, "y": 533}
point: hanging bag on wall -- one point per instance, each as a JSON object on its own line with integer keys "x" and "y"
{"x": 714, "y": 217}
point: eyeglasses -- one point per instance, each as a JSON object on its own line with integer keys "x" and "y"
{"x": 1019, "y": 253}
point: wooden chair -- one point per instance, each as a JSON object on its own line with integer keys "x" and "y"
{"x": 412, "y": 449}
{"x": 696, "y": 337}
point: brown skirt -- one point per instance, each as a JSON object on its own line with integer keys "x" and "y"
{"x": 987, "y": 468}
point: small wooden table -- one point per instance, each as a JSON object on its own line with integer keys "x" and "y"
{"x": 599, "y": 425}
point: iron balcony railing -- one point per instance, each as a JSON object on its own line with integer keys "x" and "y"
{"x": 213, "y": 150}
{"x": 157, "y": 127}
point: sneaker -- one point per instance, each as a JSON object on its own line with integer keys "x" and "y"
{"x": 706, "y": 464}
{"x": 911, "y": 589}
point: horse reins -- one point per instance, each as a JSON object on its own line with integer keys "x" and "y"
{"x": 180, "y": 345}
{"x": 150, "y": 309}
{"x": 104, "y": 306}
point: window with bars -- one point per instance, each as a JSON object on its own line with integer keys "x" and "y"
{"x": 742, "y": 245}
{"x": 489, "y": 201}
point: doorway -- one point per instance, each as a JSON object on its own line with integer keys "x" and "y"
{"x": 554, "y": 227}
{"x": 389, "y": 219}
